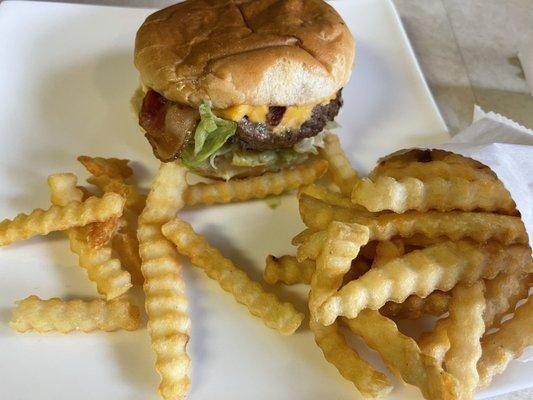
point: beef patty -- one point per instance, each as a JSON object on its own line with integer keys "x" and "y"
{"x": 258, "y": 136}
{"x": 169, "y": 126}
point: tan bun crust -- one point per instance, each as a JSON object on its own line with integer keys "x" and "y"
{"x": 256, "y": 52}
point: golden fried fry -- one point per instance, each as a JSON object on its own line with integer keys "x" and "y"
{"x": 126, "y": 246}
{"x": 302, "y": 237}
{"x": 340, "y": 168}
{"x": 401, "y": 354}
{"x": 311, "y": 247}
{"x": 503, "y": 293}
{"x": 421, "y": 272}
{"x": 432, "y": 194}
{"x": 432, "y": 169}
{"x": 317, "y": 215}
{"x": 287, "y": 270}
{"x": 57, "y": 218}
{"x": 499, "y": 348}
{"x": 134, "y": 201}
{"x": 101, "y": 233}
{"x": 464, "y": 330}
{"x": 387, "y": 251}
{"x": 124, "y": 242}
{"x": 271, "y": 183}
{"x": 55, "y": 314}
{"x": 404, "y": 160}
{"x": 436, "y": 342}
{"x": 112, "y": 167}
{"x": 102, "y": 269}
{"x": 501, "y": 296}
{"x": 164, "y": 288}
{"x": 415, "y": 306}
{"x": 455, "y": 225}
{"x": 351, "y": 366}
{"x": 327, "y": 196}
{"x": 341, "y": 246}
{"x": 275, "y": 314}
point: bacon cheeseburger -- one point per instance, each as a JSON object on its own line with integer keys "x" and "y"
{"x": 235, "y": 88}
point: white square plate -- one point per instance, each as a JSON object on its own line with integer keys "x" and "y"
{"x": 66, "y": 75}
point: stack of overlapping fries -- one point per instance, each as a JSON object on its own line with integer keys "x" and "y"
{"x": 427, "y": 233}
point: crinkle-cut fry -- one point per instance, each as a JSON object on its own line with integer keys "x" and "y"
{"x": 341, "y": 246}
{"x": 415, "y": 306}
{"x": 126, "y": 245}
{"x": 340, "y": 168}
{"x": 424, "y": 229}
{"x": 418, "y": 241}
{"x": 317, "y": 214}
{"x": 302, "y": 237}
{"x": 500, "y": 347}
{"x": 102, "y": 269}
{"x": 311, "y": 247}
{"x": 387, "y": 251}
{"x": 502, "y": 293}
{"x": 164, "y": 288}
{"x": 431, "y": 169}
{"x": 385, "y": 193}
{"x": 112, "y": 167}
{"x": 456, "y": 225}
{"x": 402, "y": 355}
{"x": 101, "y": 233}
{"x": 60, "y": 218}
{"x": 465, "y": 329}
{"x": 327, "y": 196}
{"x": 287, "y": 270}
{"x": 275, "y": 314}
{"x": 436, "y": 342}
{"x": 352, "y": 367}
{"x": 291, "y": 272}
{"x": 55, "y": 314}
{"x": 270, "y": 183}
{"x": 400, "y": 161}
{"x": 134, "y": 200}
{"x": 420, "y": 272}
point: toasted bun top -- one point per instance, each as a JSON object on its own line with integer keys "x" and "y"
{"x": 256, "y": 52}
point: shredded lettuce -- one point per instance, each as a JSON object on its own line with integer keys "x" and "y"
{"x": 309, "y": 145}
{"x": 210, "y": 135}
{"x": 254, "y": 158}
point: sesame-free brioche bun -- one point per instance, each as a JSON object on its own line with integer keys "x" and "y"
{"x": 255, "y": 52}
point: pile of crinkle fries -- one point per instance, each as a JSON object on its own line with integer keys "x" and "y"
{"x": 428, "y": 233}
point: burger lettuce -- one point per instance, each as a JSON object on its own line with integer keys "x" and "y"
{"x": 210, "y": 135}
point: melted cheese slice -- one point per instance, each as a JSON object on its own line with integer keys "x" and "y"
{"x": 294, "y": 117}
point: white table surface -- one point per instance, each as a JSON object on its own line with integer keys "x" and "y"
{"x": 467, "y": 50}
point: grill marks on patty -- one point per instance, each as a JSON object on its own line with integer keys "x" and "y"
{"x": 169, "y": 126}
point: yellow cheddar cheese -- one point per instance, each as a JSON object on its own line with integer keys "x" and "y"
{"x": 293, "y": 118}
